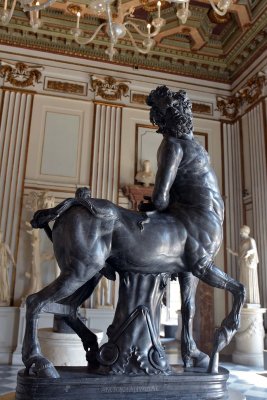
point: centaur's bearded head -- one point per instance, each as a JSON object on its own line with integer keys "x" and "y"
{"x": 171, "y": 111}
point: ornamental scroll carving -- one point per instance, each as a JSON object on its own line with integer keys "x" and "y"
{"x": 249, "y": 93}
{"x": 229, "y": 106}
{"x": 20, "y": 75}
{"x": 109, "y": 88}
{"x": 253, "y": 88}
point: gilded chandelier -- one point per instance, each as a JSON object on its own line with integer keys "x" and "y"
{"x": 116, "y": 27}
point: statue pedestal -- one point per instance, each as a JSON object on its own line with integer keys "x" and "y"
{"x": 76, "y": 383}
{"x": 249, "y": 338}
{"x": 64, "y": 349}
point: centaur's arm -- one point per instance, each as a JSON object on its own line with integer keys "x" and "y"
{"x": 170, "y": 154}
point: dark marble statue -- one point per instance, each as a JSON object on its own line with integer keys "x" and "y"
{"x": 176, "y": 234}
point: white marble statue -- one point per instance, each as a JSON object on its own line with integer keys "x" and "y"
{"x": 6, "y": 258}
{"x": 248, "y": 262}
{"x": 34, "y": 202}
{"x": 146, "y": 175}
{"x": 101, "y": 294}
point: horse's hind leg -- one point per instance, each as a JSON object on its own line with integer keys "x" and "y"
{"x": 65, "y": 285}
{"x": 213, "y": 276}
{"x": 188, "y": 285}
{"x": 88, "y": 338}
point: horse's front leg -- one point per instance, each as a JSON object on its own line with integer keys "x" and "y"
{"x": 62, "y": 287}
{"x": 223, "y": 335}
{"x": 191, "y": 355}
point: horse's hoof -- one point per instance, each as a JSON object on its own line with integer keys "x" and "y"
{"x": 157, "y": 360}
{"x": 202, "y": 361}
{"x": 43, "y": 368}
{"x": 46, "y": 371}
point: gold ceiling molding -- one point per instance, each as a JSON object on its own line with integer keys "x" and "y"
{"x": 109, "y": 88}
{"x": 150, "y": 6}
{"x": 20, "y": 74}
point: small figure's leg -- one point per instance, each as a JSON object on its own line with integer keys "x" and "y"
{"x": 190, "y": 352}
{"x": 213, "y": 276}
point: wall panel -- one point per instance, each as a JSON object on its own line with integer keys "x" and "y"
{"x": 14, "y": 129}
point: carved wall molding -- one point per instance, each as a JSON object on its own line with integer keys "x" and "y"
{"x": 20, "y": 74}
{"x": 251, "y": 91}
{"x": 229, "y": 106}
{"x": 65, "y": 86}
{"x": 109, "y": 88}
{"x": 202, "y": 108}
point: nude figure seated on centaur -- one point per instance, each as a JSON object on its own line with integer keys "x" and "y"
{"x": 180, "y": 237}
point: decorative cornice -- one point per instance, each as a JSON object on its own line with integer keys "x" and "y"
{"x": 248, "y": 94}
{"x": 252, "y": 90}
{"x": 228, "y": 106}
{"x": 109, "y": 88}
{"x": 20, "y": 75}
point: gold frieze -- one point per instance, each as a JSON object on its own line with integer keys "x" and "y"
{"x": 139, "y": 98}
{"x": 109, "y": 88}
{"x": 65, "y": 87}
{"x": 20, "y": 75}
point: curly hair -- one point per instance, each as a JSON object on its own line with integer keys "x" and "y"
{"x": 171, "y": 111}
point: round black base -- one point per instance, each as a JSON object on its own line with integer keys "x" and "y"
{"x": 76, "y": 383}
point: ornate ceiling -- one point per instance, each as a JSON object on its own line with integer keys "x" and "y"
{"x": 207, "y": 46}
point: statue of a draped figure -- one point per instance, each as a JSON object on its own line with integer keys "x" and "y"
{"x": 248, "y": 262}
{"x": 6, "y": 258}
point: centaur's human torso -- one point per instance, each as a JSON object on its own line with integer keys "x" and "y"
{"x": 188, "y": 225}
{"x": 195, "y": 183}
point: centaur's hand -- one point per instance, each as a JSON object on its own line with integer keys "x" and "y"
{"x": 146, "y": 205}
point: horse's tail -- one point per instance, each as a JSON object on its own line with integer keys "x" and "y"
{"x": 98, "y": 208}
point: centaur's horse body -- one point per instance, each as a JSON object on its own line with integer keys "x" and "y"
{"x": 92, "y": 237}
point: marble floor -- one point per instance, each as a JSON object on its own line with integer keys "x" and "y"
{"x": 251, "y": 382}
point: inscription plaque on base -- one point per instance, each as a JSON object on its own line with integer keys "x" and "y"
{"x": 76, "y": 383}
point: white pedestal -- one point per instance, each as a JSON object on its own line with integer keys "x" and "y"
{"x": 64, "y": 349}
{"x": 249, "y": 338}
{"x": 8, "y": 332}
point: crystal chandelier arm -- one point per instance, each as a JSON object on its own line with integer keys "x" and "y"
{"x": 221, "y": 11}
{"x": 110, "y": 24}
{"x": 6, "y": 19}
{"x": 145, "y": 35}
{"x": 146, "y": 51}
{"x": 27, "y": 7}
{"x": 83, "y": 41}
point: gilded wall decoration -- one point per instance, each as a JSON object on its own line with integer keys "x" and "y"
{"x": 202, "y": 108}
{"x": 109, "y": 88}
{"x": 139, "y": 98}
{"x": 229, "y": 106}
{"x": 253, "y": 88}
{"x": 20, "y": 75}
{"x": 65, "y": 87}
